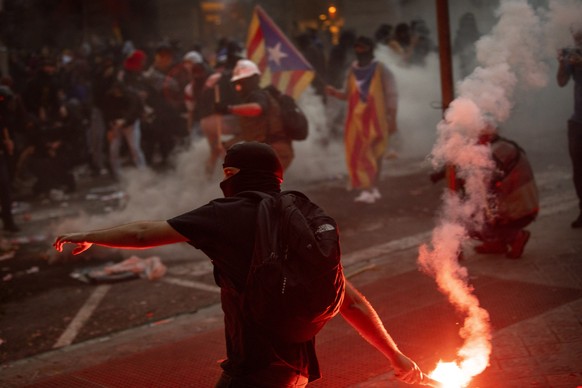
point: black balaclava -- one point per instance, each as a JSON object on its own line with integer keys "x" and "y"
{"x": 260, "y": 169}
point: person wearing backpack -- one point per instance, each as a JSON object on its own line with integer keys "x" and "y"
{"x": 259, "y": 113}
{"x": 225, "y": 229}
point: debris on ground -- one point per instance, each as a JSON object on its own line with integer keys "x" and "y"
{"x": 7, "y": 255}
{"x": 135, "y": 267}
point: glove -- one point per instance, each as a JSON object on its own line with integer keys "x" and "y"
{"x": 221, "y": 108}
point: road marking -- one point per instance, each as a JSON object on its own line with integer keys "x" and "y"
{"x": 82, "y": 316}
{"x": 191, "y": 284}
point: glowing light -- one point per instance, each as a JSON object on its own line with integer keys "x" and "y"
{"x": 450, "y": 375}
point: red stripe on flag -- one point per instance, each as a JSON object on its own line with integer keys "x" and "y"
{"x": 254, "y": 43}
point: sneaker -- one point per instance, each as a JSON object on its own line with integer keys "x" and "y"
{"x": 518, "y": 244}
{"x": 365, "y": 197}
{"x": 491, "y": 248}
{"x": 577, "y": 223}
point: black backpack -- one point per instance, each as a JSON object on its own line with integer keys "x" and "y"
{"x": 293, "y": 119}
{"x": 295, "y": 282}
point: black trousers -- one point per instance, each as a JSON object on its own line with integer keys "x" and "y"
{"x": 575, "y": 150}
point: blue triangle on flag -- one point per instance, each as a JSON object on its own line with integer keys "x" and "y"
{"x": 281, "y": 54}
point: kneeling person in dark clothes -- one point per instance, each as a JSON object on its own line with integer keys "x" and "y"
{"x": 515, "y": 201}
{"x": 224, "y": 229}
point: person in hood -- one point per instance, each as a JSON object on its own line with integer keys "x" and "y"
{"x": 224, "y": 230}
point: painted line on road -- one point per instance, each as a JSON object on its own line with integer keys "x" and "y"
{"x": 82, "y": 316}
{"x": 191, "y": 284}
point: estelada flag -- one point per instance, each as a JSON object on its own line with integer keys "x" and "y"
{"x": 281, "y": 64}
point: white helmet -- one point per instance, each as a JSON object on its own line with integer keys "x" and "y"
{"x": 244, "y": 68}
{"x": 193, "y": 56}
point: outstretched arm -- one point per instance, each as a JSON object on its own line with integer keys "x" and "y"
{"x": 136, "y": 235}
{"x": 360, "y": 314}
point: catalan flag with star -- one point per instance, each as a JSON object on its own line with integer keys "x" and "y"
{"x": 371, "y": 117}
{"x": 281, "y": 64}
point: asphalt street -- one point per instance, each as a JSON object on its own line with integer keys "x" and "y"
{"x": 48, "y": 316}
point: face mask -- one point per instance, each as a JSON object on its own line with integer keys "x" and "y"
{"x": 229, "y": 186}
{"x": 250, "y": 180}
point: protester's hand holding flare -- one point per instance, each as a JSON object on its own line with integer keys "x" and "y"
{"x": 406, "y": 370}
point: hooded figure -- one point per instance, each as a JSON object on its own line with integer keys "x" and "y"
{"x": 256, "y": 167}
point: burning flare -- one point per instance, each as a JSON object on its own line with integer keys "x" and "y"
{"x": 450, "y": 375}
{"x": 442, "y": 263}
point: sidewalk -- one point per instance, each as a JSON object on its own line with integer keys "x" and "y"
{"x": 535, "y": 305}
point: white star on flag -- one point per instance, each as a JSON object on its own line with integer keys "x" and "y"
{"x": 275, "y": 54}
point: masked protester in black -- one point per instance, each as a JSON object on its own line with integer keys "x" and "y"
{"x": 224, "y": 230}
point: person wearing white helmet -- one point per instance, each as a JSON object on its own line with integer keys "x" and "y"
{"x": 259, "y": 113}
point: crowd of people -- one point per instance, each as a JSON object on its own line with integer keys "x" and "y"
{"x": 98, "y": 107}
{"x": 108, "y": 104}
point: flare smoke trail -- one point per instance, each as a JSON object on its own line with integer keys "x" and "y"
{"x": 511, "y": 57}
